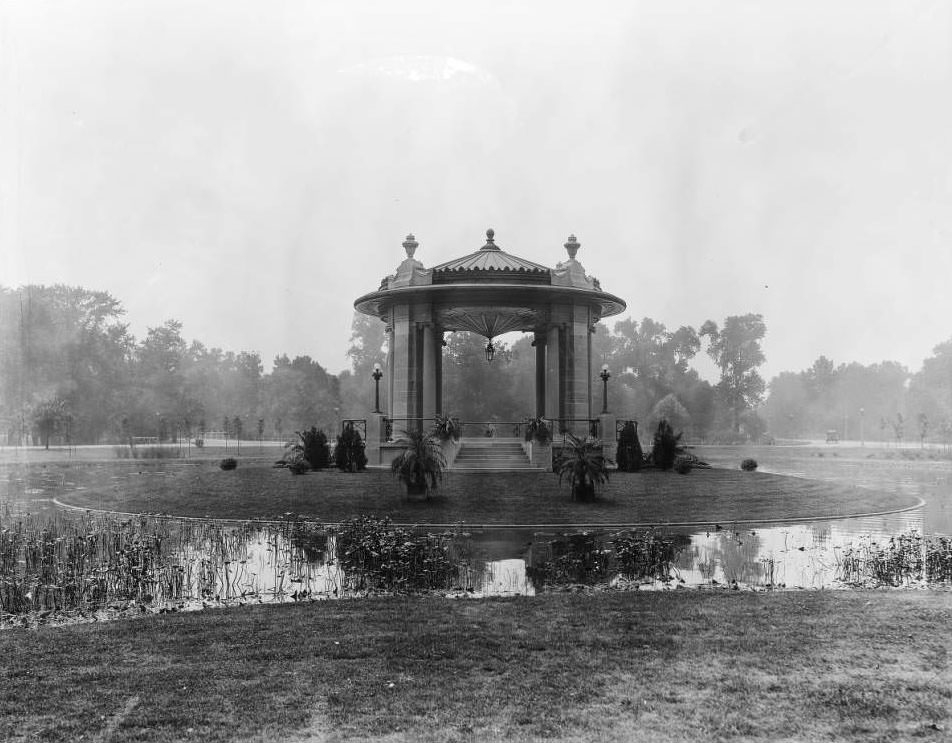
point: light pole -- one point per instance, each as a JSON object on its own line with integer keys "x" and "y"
{"x": 377, "y": 375}
{"x": 605, "y": 375}
{"x": 862, "y": 436}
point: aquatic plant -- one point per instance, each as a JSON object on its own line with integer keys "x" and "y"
{"x": 646, "y": 554}
{"x": 939, "y": 560}
{"x": 895, "y": 562}
{"x": 376, "y": 555}
{"x": 584, "y": 558}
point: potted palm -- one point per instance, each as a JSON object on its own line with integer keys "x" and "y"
{"x": 421, "y": 463}
{"x": 583, "y": 463}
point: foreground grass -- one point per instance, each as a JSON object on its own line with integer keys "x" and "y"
{"x": 857, "y": 666}
{"x": 256, "y": 490}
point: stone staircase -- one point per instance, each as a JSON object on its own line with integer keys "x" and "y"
{"x": 492, "y": 455}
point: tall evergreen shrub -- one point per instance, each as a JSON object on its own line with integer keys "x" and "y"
{"x": 349, "y": 453}
{"x": 666, "y": 446}
{"x": 630, "y": 456}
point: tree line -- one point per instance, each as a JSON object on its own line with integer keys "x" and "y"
{"x": 70, "y": 368}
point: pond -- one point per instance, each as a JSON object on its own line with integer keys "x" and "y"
{"x": 54, "y": 561}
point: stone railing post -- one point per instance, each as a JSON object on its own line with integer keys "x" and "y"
{"x": 606, "y": 434}
{"x": 376, "y": 434}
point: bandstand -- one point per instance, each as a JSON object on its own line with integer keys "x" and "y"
{"x": 488, "y": 292}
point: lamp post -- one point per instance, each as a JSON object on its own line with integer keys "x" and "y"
{"x": 490, "y": 351}
{"x": 605, "y": 375}
{"x": 377, "y": 375}
{"x": 862, "y": 436}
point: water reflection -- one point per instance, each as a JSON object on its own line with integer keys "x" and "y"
{"x": 794, "y": 555}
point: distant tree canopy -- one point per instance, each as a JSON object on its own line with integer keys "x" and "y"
{"x": 70, "y": 369}
{"x": 850, "y": 398}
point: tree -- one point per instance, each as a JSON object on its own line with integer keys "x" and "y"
{"x": 897, "y": 425}
{"x": 736, "y": 350}
{"x": 669, "y": 408}
{"x": 930, "y": 390}
{"x": 368, "y": 346}
{"x": 67, "y": 343}
{"x": 48, "y": 416}
{"x": 652, "y": 362}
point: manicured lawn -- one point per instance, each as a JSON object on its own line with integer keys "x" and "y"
{"x": 257, "y": 490}
{"x": 846, "y": 666}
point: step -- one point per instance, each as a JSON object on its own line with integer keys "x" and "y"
{"x": 492, "y": 455}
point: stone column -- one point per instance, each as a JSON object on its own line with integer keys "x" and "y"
{"x": 438, "y": 344}
{"x": 578, "y": 370}
{"x": 553, "y": 378}
{"x": 539, "y": 343}
{"x": 430, "y": 351}
{"x": 402, "y": 367}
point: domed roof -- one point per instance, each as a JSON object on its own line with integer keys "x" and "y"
{"x": 490, "y": 263}
{"x": 490, "y": 291}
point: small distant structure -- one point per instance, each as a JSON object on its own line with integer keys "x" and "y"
{"x": 832, "y": 437}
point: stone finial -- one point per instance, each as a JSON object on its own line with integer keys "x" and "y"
{"x": 410, "y": 245}
{"x": 490, "y": 240}
{"x": 572, "y": 246}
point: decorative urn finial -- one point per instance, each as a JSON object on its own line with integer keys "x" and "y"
{"x": 572, "y": 246}
{"x": 410, "y": 245}
{"x": 490, "y": 240}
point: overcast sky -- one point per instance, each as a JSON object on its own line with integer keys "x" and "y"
{"x": 252, "y": 168}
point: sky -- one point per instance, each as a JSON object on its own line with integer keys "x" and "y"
{"x": 250, "y": 169}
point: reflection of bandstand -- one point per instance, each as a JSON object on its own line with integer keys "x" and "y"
{"x": 489, "y": 292}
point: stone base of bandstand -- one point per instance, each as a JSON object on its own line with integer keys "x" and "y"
{"x": 539, "y": 455}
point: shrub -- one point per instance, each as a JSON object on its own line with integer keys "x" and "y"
{"x": 446, "y": 428}
{"x": 582, "y": 461}
{"x": 666, "y": 446}
{"x": 538, "y": 430}
{"x": 683, "y": 465}
{"x": 421, "y": 463}
{"x": 630, "y": 455}
{"x": 349, "y": 453}
{"x": 228, "y": 463}
{"x": 312, "y": 445}
{"x": 748, "y": 465}
{"x": 298, "y": 466}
